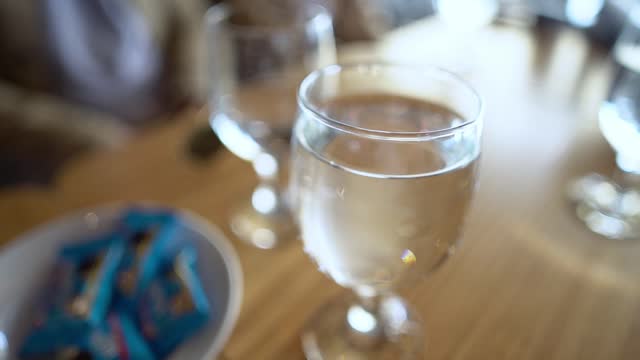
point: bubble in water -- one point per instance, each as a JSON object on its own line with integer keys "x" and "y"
{"x": 452, "y": 250}
{"x": 340, "y": 192}
{"x": 406, "y": 231}
{"x": 408, "y": 257}
{"x": 354, "y": 145}
{"x": 465, "y": 184}
{"x": 382, "y": 275}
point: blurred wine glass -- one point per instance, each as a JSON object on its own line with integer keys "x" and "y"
{"x": 383, "y": 171}
{"x": 257, "y": 60}
{"x": 610, "y": 206}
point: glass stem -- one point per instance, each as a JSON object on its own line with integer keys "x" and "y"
{"x": 365, "y": 325}
{"x": 267, "y": 197}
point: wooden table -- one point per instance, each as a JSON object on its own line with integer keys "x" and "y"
{"x": 529, "y": 282}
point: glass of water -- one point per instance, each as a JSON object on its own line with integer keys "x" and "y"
{"x": 256, "y": 63}
{"x": 610, "y": 206}
{"x": 384, "y": 162}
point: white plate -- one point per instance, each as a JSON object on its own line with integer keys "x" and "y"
{"x": 25, "y": 263}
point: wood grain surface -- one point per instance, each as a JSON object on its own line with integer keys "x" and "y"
{"x": 528, "y": 282}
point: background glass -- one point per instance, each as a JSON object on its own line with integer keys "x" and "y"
{"x": 611, "y": 206}
{"x": 383, "y": 170}
{"x": 256, "y": 66}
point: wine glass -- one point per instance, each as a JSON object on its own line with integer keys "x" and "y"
{"x": 610, "y": 206}
{"x": 384, "y": 162}
{"x": 256, "y": 65}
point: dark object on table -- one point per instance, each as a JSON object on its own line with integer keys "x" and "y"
{"x": 203, "y": 143}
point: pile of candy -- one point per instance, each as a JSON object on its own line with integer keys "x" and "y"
{"x": 133, "y": 293}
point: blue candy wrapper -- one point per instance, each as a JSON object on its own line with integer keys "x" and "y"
{"x": 95, "y": 282}
{"x": 139, "y": 219}
{"x": 128, "y": 278}
{"x": 56, "y": 336}
{"x": 150, "y": 251}
{"x": 174, "y": 306}
{"x": 77, "y": 297}
{"x": 118, "y": 338}
{"x": 62, "y": 353}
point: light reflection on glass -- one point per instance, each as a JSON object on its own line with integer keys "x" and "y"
{"x": 263, "y": 238}
{"x": 265, "y": 165}
{"x": 583, "y": 13}
{"x": 4, "y": 346}
{"x": 395, "y": 312}
{"x": 361, "y": 320}
{"x": 467, "y": 13}
{"x": 264, "y": 199}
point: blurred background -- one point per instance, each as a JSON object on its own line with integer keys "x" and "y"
{"x": 80, "y": 75}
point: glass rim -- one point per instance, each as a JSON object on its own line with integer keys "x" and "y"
{"x": 224, "y": 11}
{"x": 305, "y": 104}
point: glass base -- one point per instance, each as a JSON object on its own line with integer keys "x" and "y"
{"x": 607, "y": 208}
{"x": 344, "y": 330}
{"x": 265, "y": 231}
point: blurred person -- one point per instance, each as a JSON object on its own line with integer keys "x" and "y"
{"x": 136, "y": 58}
{"x": 131, "y": 58}
{"x": 76, "y": 75}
